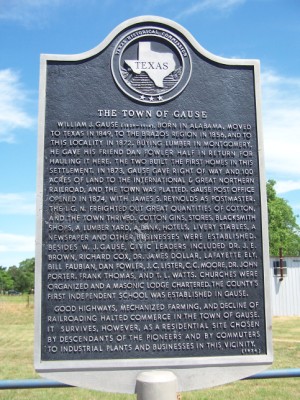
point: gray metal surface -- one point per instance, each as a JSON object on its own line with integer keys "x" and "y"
{"x": 227, "y": 335}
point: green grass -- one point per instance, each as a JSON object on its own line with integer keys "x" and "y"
{"x": 16, "y": 362}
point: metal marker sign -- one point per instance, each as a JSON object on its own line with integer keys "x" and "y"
{"x": 152, "y": 245}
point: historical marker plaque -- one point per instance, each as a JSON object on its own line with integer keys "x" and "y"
{"x": 152, "y": 236}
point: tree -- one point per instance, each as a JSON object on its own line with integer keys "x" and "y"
{"x": 284, "y": 232}
{"x": 6, "y": 282}
{"x": 23, "y": 277}
{"x": 27, "y": 268}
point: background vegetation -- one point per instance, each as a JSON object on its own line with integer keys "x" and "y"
{"x": 284, "y": 232}
{"x": 19, "y": 279}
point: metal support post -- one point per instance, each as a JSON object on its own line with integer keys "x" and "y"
{"x": 156, "y": 385}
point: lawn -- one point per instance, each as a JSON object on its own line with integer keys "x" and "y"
{"x": 16, "y": 362}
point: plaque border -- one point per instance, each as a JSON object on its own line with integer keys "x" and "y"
{"x": 193, "y": 372}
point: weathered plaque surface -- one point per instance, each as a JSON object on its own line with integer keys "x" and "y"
{"x": 151, "y": 234}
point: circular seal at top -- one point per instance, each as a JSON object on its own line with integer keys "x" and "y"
{"x": 151, "y": 64}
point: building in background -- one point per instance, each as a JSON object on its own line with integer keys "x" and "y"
{"x": 285, "y": 286}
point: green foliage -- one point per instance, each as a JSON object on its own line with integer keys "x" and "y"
{"x": 6, "y": 282}
{"x": 284, "y": 232}
{"x": 23, "y": 277}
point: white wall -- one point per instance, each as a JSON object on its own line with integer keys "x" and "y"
{"x": 286, "y": 293}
